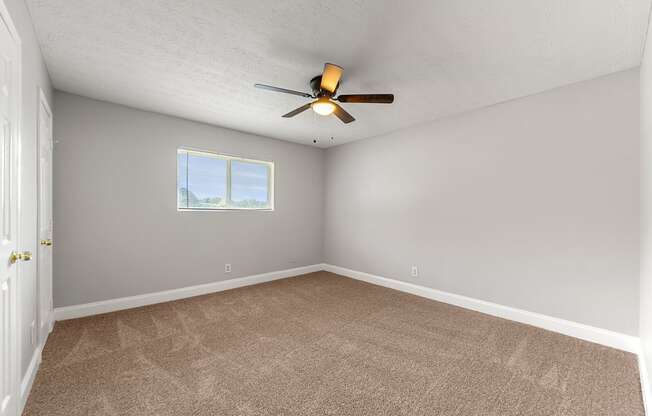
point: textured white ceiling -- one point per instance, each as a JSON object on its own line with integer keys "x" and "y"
{"x": 199, "y": 59}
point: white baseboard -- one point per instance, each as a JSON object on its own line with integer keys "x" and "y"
{"x": 588, "y": 333}
{"x": 28, "y": 380}
{"x": 95, "y": 308}
{"x": 30, "y": 375}
{"x": 51, "y": 321}
{"x": 645, "y": 382}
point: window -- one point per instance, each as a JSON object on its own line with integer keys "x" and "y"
{"x": 210, "y": 181}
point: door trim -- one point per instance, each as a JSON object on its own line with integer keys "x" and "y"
{"x": 30, "y": 375}
{"x": 17, "y": 79}
{"x": 42, "y": 99}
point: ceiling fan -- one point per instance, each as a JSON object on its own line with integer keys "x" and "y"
{"x": 323, "y": 88}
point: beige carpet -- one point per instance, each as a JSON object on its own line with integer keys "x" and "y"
{"x": 322, "y": 344}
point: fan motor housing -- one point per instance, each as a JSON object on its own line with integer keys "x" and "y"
{"x": 315, "y": 86}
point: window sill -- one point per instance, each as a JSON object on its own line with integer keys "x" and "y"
{"x": 225, "y": 209}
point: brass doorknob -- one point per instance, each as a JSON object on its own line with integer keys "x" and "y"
{"x": 24, "y": 256}
{"x": 47, "y": 242}
{"x": 14, "y": 257}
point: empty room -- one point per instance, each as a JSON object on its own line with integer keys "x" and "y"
{"x": 362, "y": 207}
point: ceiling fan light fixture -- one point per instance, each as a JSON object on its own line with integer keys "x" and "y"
{"x": 323, "y": 106}
{"x": 324, "y": 89}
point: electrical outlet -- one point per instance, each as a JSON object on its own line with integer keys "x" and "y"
{"x": 415, "y": 271}
{"x": 227, "y": 268}
{"x": 32, "y": 332}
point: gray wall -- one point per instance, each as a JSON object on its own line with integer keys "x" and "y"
{"x": 34, "y": 75}
{"x": 117, "y": 229}
{"x": 531, "y": 203}
{"x": 645, "y": 329}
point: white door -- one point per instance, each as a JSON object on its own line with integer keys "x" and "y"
{"x": 45, "y": 215}
{"x": 9, "y": 168}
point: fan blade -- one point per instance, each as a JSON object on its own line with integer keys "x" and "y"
{"x": 367, "y": 98}
{"x": 331, "y": 77}
{"x": 297, "y": 111}
{"x": 342, "y": 114}
{"x": 284, "y": 90}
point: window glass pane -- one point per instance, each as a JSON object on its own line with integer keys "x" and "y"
{"x": 249, "y": 184}
{"x": 206, "y": 181}
{"x": 182, "y": 180}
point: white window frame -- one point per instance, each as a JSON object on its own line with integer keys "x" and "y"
{"x": 228, "y": 159}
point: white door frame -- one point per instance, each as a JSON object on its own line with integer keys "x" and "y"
{"x": 17, "y": 142}
{"x": 43, "y": 101}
